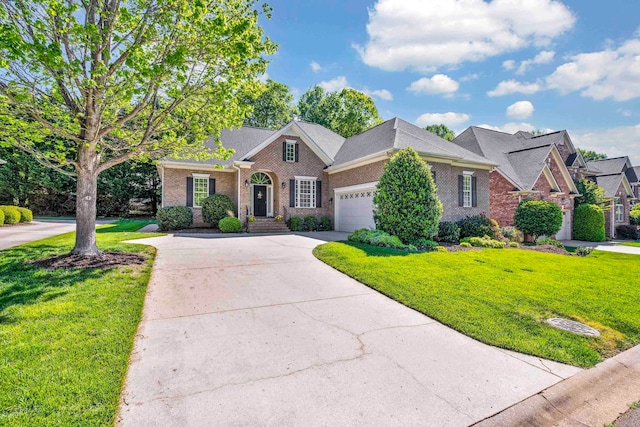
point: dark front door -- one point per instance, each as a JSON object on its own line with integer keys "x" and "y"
{"x": 260, "y": 200}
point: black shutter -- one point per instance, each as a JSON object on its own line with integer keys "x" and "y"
{"x": 284, "y": 151}
{"x": 433, "y": 174}
{"x": 318, "y": 194}
{"x": 460, "y": 193}
{"x": 292, "y": 193}
{"x": 296, "y": 152}
{"x": 212, "y": 186}
{"x": 189, "y": 191}
{"x": 474, "y": 192}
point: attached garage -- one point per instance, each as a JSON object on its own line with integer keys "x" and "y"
{"x": 565, "y": 231}
{"x": 354, "y": 207}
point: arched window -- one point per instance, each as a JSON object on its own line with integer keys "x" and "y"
{"x": 260, "y": 179}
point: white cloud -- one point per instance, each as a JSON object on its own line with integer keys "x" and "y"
{"x": 381, "y": 93}
{"x": 425, "y": 35}
{"x": 520, "y": 110}
{"x": 509, "y": 64}
{"x": 334, "y": 85}
{"x": 315, "y": 67}
{"x": 544, "y": 57}
{"x": 513, "y": 127}
{"x": 470, "y": 77}
{"x": 625, "y": 113}
{"x": 438, "y": 84}
{"x": 263, "y": 77}
{"x": 618, "y": 141}
{"x": 608, "y": 73}
{"x": 449, "y": 119}
{"x": 512, "y": 86}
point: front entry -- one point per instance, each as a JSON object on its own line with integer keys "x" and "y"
{"x": 260, "y": 200}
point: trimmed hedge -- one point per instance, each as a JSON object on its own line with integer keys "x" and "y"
{"x": 588, "y": 223}
{"x": 538, "y": 218}
{"x": 377, "y": 238}
{"x": 215, "y": 208}
{"x": 174, "y": 218}
{"x": 230, "y": 224}
{"x": 1, "y": 217}
{"x": 25, "y": 214}
{"x": 11, "y": 214}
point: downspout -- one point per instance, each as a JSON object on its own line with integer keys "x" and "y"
{"x": 162, "y": 191}
{"x": 238, "y": 186}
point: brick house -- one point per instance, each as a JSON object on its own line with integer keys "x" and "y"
{"x": 529, "y": 167}
{"x": 636, "y": 185}
{"x": 615, "y": 176}
{"x": 305, "y": 169}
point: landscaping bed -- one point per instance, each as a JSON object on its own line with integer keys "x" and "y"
{"x": 503, "y": 297}
{"x": 66, "y": 334}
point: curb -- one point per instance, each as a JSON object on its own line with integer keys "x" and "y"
{"x": 592, "y": 397}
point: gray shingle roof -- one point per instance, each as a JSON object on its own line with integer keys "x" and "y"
{"x": 609, "y": 183}
{"x": 397, "y": 134}
{"x": 608, "y": 166}
{"x": 329, "y": 141}
{"x": 636, "y": 170}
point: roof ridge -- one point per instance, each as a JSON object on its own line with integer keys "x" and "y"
{"x": 492, "y": 130}
{"x": 529, "y": 148}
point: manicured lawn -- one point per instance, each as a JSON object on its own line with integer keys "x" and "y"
{"x": 636, "y": 244}
{"x": 503, "y": 296}
{"x": 66, "y": 335}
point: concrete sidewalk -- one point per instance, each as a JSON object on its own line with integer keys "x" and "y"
{"x": 257, "y": 331}
{"x": 612, "y": 246}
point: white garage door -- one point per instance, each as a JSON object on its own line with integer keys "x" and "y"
{"x": 565, "y": 231}
{"x": 354, "y": 210}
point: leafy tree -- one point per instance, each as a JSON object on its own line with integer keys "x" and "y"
{"x": 538, "y": 218}
{"x": 126, "y": 181}
{"x": 97, "y": 83}
{"x": 347, "y": 113}
{"x": 273, "y": 108}
{"x": 442, "y": 131}
{"x": 590, "y": 193}
{"x": 406, "y": 203}
{"x": 589, "y": 155}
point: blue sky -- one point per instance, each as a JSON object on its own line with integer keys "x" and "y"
{"x": 505, "y": 64}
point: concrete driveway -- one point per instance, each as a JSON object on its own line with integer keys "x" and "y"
{"x": 14, "y": 235}
{"x": 256, "y": 331}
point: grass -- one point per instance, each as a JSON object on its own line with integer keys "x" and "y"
{"x": 636, "y": 244}
{"x": 66, "y": 335}
{"x": 503, "y": 297}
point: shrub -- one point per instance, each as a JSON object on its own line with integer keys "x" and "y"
{"x": 588, "y": 223}
{"x": 1, "y": 217}
{"x": 475, "y": 226}
{"x": 295, "y": 223}
{"x": 216, "y": 207}
{"x": 512, "y": 234}
{"x": 325, "y": 223}
{"x": 441, "y": 249}
{"x": 406, "y": 203}
{"x": 377, "y": 238}
{"x": 425, "y": 244}
{"x": 583, "y": 250}
{"x": 624, "y": 232}
{"x": 310, "y": 223}
{"x": 448, "y": 232}
{"x": 174, "y": 218}
{"x": 514, "y": 244}
{"x": 465, "y": 244}
{"x": 230, "y": 224}
{"x": 278, "y": 218}
{"x": 634, "y": 216}
{"x": 485, "y": 242}
{"x": 251, "y": 218}
{"x": 549, "y": 241}
{"x": 11, "y": 214}
{"x": 538, "y": 217}
{"x": 25, "y": 214}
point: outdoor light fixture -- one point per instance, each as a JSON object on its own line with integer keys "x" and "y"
{"x": 284, "y": 184}
{"x": 246, "y": 183}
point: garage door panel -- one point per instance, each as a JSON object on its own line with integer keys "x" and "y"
{"x": 355, "y": 210}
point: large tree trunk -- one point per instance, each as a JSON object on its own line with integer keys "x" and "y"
{"x": 86, "y": 197}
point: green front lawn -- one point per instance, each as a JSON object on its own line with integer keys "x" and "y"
{"x": 503, "y": 296}
{"x": 636, "y": 244}
{"x": 66, "y": 335}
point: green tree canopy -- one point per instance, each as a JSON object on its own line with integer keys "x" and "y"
{"x": 590, "y": 155}
{"x": 442, "y": 131}
{"x": 590, "y": 193}
{"x": 406, "y": 202}
{"x": 347, "y": 113}
{"x": 91, "y": 84}
{"x": 273, "y": 108}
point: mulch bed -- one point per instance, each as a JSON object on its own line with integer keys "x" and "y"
{"x": 106, "y": 260}
{"x": 550, "y": 249}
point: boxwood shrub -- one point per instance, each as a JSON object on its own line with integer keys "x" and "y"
{"x": 216, "y": 207}
{"x": 538, "y": 218}
{"x": 174, "y": 218}
{"x": 377, "y": 238}
{"x": 475, "y": 226}
{"x": 588, "y": 223}
{"x": 549, "y": 241}
{"x": 310, "y": 223}
{"x": 11, "y": 214}
{"x": 484, "y": 242}
{"x": 230, "y": 224}
{"x": 448, "y": 231}
{"x": 295, "y": 223}
{"x": 1, "y": 217}
{"x": 325, "y": 223}
{"x": 25, "y": 214}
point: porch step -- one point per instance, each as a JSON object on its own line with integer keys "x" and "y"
{"x": 267, "y": 225}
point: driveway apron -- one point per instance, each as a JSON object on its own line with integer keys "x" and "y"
{"x": 256, "y": 331}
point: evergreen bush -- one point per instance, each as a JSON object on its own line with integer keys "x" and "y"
{"x": 174, "y": 218}
{"x": 448, "y": 231}
{"x": 11, "y": 214}
{"x": 538, "y": 218}
{"x": 25, "y": 214}
{"x": 588, "y": 223}
{"x": 216, "y": 207}
{"x": 230, "y": 224}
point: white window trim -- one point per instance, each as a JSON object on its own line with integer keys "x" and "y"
{"x": 193, "y": 190}
{"x": 469, "y": 203}
{"x": 288, "y": 143}
{"x": 615, "y": 215}
{"x": 312, "y": 180}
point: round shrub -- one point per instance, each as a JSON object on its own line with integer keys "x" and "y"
{"x": 538, "y": 218}
{"x": 25, "y": 214}
{"x": 406, "y": 203}
{"x": 376, "y": 238}
{"x": 216, "y": 207}
{"x": 588, "y": 223}
{"x": 448, "y": 232}
{"x": 295, "y": 223}
{"x": 325, "y": 224}
{"x": 174, "y": 218}
{"x": 1, "y": 217}
{"x": 11, "y": 214}
{"x": 475, "y": 226}
{"x": 465, "y": 245}
{"x": 310, "y": 223}
{"x": 230, "y": 224}
{"x": 514, "y": 244}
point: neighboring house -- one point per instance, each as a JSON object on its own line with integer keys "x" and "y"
{"x": 636, "y": 185}
{"x": 615, "y": 176}
{"x": 529, "y": 167}
{"x": 305, "y": 169}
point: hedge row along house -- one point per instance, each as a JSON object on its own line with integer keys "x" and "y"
{"x": 305, "y": 169}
